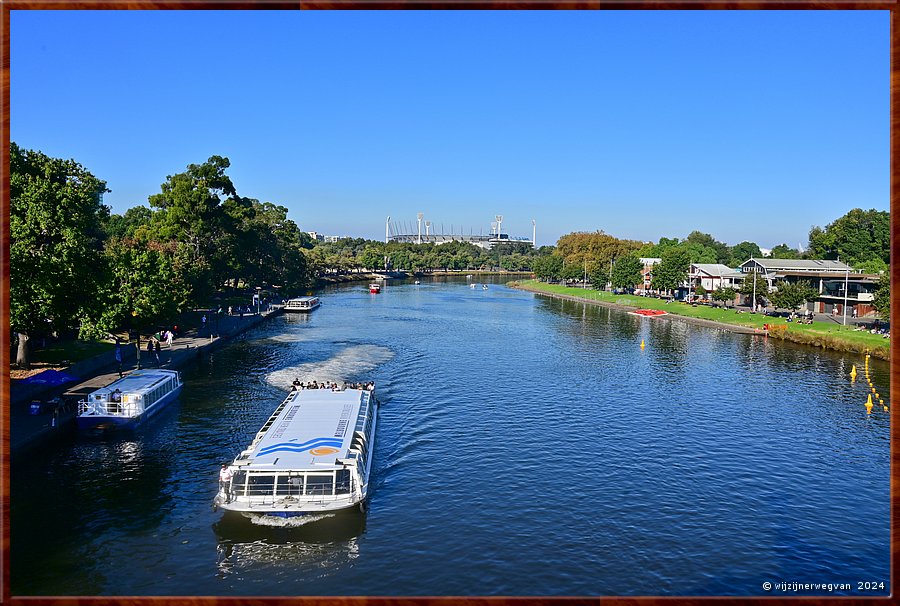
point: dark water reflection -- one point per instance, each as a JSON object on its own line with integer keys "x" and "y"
{"x": 527, "y": 446}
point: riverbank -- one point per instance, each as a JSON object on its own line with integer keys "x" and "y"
{"x": 818, "y": 334}
{"x": 27, "y": 431}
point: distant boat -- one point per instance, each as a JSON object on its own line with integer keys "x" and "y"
{"x": 302, "y": 304}
{"x": 473, "y": 285}
{"x": 484, "y": 286}
{"x": 127, "y": 402}
{"x": 417, "y": 281}
{"x": 374, "y": 288}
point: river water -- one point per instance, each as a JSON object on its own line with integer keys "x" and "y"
{"x": 525, "y": 446}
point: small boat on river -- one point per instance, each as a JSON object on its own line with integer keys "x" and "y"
{"x": 302, "y": 304}
{"x": 312, "y": 456}
{"x": 130, "y": 400}
{"x": 374, "y": 288}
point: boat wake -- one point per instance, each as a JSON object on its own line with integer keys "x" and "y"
{"x": 353, "y": 363}
{"x": 294, "y": 522}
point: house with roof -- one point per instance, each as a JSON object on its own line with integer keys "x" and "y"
{"x": 647, "y": 272}
{"x": 712, "y": 276}
{"x": 836, "y": 282}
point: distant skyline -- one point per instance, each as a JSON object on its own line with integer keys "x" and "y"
{"x": 747, "y": 125}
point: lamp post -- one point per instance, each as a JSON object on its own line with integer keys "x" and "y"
{"x": 846, "y": 285}
{"x": 138, "y": 331}
{"x": 258, "y": 289}
{"x": 584, "y": 285}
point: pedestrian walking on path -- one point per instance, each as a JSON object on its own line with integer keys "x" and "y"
{"x": 156, "y": 348}
{"x": 203, "y": 323}
{"x": 119, "y": 356}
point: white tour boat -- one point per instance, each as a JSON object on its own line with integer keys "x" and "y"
{"x": 312, "y": 456}
{"x": 127, "y": 402}
{"x": 302, "y": 304}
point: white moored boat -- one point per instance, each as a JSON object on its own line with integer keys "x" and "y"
{"x": 312, "y": 456}
{"x": 127, "y": 402}
{"x": 302, "y": 304}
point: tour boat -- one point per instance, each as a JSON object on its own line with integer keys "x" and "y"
{"x": 302, "y": 304}
{"x": 374, "y": 289}
{"x": 312, "y": 456}
{"x": 127, "y": 402}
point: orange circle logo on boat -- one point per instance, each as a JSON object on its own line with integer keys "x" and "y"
{"x": 323, "y": 450}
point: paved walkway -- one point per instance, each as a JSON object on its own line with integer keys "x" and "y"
{"x": 28, "y": 430}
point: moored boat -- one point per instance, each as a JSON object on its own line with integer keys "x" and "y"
{"x": 313, "y": 455}
{"x": 302, "y": 304}
{"x": 374, "y": 288}
{"x": 127, "y": 402}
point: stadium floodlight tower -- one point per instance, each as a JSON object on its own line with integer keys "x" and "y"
{"x": 427, "y": 227}
{"x": 533, "y": 233}
{"x": 499, "y": 219}
{"x": 387, "y": 229}
{"x": 419, "y": 219}
{"x": 494, "y": 228}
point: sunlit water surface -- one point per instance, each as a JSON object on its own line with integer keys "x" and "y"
{"x": 526, "y": 446}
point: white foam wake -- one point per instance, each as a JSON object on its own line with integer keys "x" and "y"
{"x": 294, "y": 522}
{"x": 353, "y": 363}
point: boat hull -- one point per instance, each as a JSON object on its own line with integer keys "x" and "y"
{"x": 114, "y": 422}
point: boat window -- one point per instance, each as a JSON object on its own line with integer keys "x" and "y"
{"x": 342, "y": 482}
{"x": 238, "y": 483}
{"x": 319, "y": 484}
{"x": 261, "y": 485}
{"x": 289, "y": 485}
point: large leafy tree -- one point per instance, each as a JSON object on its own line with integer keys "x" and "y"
{"x": 626, "y": 271}
{"x": 146, "y": 283}
{"x": 549, "y": 267}
{"x": 791, "y": 295}
{"x": 743, "y": 251}
{"x": 55, "y": 228}
{"x": 721, "y": 252}
{"x": 857, "y": 237}
{"x": 672, "y": 270}
{"x": 882, "y": 299}
{"x": 783, "y": 251}
{"x": 190, "y": 211}
{"x": 724, "y": 294}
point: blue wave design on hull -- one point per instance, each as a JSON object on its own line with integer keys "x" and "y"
{"x": 291, "y": 447}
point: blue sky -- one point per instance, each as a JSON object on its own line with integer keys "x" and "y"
{"x": 748, "y": 125}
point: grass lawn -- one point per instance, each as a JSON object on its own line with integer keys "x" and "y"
{"x": 819, "y": 334}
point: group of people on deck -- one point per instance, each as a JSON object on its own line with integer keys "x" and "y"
{"x": 297, "y": 385}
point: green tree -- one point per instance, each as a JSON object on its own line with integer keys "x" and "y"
{"x": 791, "y": 295}
{"x": 672, "y": 270}
{"x": 56, "y": 228}
{"x": 857, "y": 237}
{"x": 783, "y": 251}
{"x": 743, "y": 251}
{"x": 724, "y": 295}
{"x": 146, "y": 283}
{"x": 548, "y": 268}
{"x": 882, "y": 299}
{"x": 190, "y": 210}
{"x": 599, "y": 277}
{"x": 761, "y": 287}
{"x": 626, "y": 272}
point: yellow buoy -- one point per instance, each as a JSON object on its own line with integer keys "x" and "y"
{"x": 869, "y": 404}
{"x": 885, "y": 409}
{"x": 853, "y": 373}
{"x": 642, "y": 344}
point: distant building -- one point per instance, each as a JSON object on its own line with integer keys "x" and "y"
{"x": 826, "y": 276}
{"x": 316, "y": 236}
{"x": 712, "y": 276}
{"x": 332, "y": 239}
{"x": 647, "y": 271}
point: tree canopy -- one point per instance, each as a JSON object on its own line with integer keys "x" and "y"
{"x": 857, "y": 237}
{"x": 56, "y": 235}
